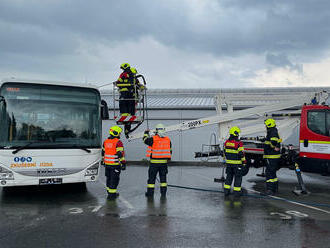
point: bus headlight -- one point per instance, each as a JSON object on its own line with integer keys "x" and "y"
{"x": 6, "y": 174}
{"x": 92, "y": 170}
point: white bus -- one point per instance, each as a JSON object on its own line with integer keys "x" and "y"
{"x": 50, "y": 132}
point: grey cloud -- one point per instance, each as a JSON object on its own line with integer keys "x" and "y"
{"x": 228, "y": 27}
{"x": 45, "y": 36}
{"x": 28, "y": 39}
{"x": 282, "y": 60}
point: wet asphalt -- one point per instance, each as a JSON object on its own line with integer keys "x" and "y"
{"x": 194, "y": 214}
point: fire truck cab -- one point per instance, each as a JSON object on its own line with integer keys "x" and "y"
{"x": 314, "y": 139}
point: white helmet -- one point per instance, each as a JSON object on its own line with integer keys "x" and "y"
{"x": 160, "y": 130}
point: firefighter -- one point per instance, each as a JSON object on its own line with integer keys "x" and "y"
{"x": 272, "y": 155}
{"x": 114, "y": 160}
{"x": 159, "y": 151}
{"x": 137, "y": 86}
{"x": 235, "y": 160}
{"x": 125, "y": 87}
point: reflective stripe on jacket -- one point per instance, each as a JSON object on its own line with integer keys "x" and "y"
{"x": 272, "y": 141}
{"x": 234, "y": 152}
{"x": 125, "y": 81}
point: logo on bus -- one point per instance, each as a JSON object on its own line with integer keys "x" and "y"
{"x": 22, "y": 159}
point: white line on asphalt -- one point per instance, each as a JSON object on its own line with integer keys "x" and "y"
{"x": 293, "y": 202}
{"x": 129, "y": 205}
{"x": 275, "y": 197}
{"x": 123, "y": 200}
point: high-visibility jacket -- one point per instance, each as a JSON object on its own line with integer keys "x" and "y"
{"x": 272, "y": 141}
{"x": 113, "y": 152}
{"x": 160, "y": 151}
{"x": 125, "y": 82}
{"x": 234, "y": 152}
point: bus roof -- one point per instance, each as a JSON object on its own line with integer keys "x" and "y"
{"x": 46, "y": 82}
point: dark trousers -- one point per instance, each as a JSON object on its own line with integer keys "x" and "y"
{"x": 112, "y": 173}
{"x": 271, "y": 178}
{"x": 127, "y": 102}
{"x": 152, "y": 174}
{"x": 234, "y": 172}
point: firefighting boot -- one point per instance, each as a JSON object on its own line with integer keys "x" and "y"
{"x": 163, "y": 191}
{"x": 276, "y": 187}
{"x": 112, "y": 196}
{"x": 227, "y": 192}
{"x": 150, "y": 192}
{"x": 237, "y": 193}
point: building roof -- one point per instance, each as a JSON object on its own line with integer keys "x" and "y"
{"x": 205, "y": 98}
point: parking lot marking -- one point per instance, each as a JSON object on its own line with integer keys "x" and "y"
{"x": 95, "y": 208}
{"x": 293, "y": 202}
{"x": 274, "y": 197}
{"x": 123, "y": 200}
{"x": 128, "y": 205}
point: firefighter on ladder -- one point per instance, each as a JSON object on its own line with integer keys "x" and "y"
{"x": 159, "y": 151}
{"x": 137, "y": 87}
{"x": 125, "y": 88}
{"x": 272, "y": 156}
{"x": 128, "y": 87}
{"x": 114, "y": 160}
{"x": 235, "y": 160}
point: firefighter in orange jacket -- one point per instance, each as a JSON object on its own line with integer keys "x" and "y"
{"x": 235, "y": 160}
{"x": 159, "y": 151}
{"x": 114, "y": 160}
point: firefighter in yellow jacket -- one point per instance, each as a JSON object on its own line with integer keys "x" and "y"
{"x": 114, "y": 160}
{"x": 235, "y": 161}
{"x": 272, "y": 156}
{"x": 159, "y": 151}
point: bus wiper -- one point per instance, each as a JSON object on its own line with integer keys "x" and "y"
{"x": 82, "y": 148}
{"x": 26, "y": 146}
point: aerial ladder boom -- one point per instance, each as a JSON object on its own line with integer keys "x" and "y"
{"x": 258, "y": 111}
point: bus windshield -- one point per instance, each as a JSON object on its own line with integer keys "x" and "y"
{"x": 49, "y": 116}
{"x": 319, "y": 122}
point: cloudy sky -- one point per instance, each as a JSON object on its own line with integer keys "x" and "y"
{"x": 173, "y": 43}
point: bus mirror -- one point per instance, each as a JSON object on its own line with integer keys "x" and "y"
{"x": 104, "y": 110}
{"x": 305, "y": 143}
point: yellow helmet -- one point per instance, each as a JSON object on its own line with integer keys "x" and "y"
{"x": 125, "y": 66}
{"x": 235, "y": 131}
{"x": 115, "y": 131}
{"x": 270, "y": 123}
{"x": 133, "y": 70}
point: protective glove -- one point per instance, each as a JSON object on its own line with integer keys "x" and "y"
{"x": 123, "y": 166}
{"x": 102, "y": 163}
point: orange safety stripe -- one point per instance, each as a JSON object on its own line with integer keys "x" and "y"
{"x": 149, "y": 151}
